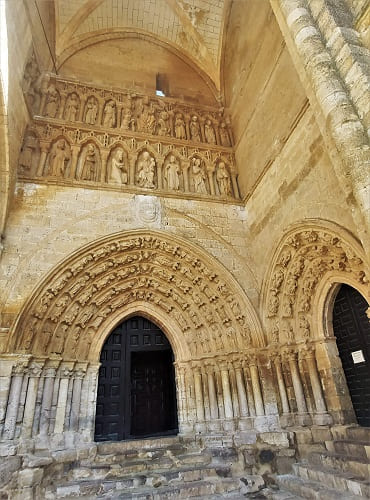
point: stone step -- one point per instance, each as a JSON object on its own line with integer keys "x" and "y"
{"x": 180, "y": 473}
{"x": 311, "y": 489}
{"x": 123, "y": 447}
{"x": 359, "y": 433}
{"x": 119, "y": 489}
{"x": 357, "y": 466}
{"x": 341, "y": 481}
{"x": 359, "y": 449}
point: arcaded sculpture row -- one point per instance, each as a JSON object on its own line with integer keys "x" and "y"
{"x": 126, "y": 163}
{"x": 134, "y": 113}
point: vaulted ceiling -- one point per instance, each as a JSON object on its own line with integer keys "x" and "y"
{"x": 192, "y": 28}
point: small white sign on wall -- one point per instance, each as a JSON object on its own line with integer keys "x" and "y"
{"x": 358, "y": 357}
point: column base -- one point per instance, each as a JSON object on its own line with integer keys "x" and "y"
{"x": 303, "y": 419}
{"x": 322, "y": 419}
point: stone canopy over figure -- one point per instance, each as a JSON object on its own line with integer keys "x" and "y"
{"x": 58, "y": 159}
{"x": 89, "y": 164}
{"x": 109, "y": 114}
{"x": 199, "y": 176}
{"x": 146, "y": 169}
{"x": 91, "y": 111}
{"x": 223, "y": 179}
{"x": 118, "y": 173}
{"x": 172, "y": 174}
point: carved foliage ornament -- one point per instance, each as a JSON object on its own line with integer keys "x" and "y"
{"x": 66, "y": 316}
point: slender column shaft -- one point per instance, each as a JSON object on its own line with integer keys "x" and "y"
{"x": 234, "y": 391}
{"x": 30, "y": 405}
{"x": 199, "y": 396}
{"x": 212, "y": 396}
{"x": 228, "y": 405}
{"x": 13, "y": 404}
{"x": 243, "y": 404}
{"x": 47, "y": 397}
{"x": 281, "y": 385}
{"x": 258, "y": 401}
{"x": 316, "y": 385}
{"x": 297, "y": 385}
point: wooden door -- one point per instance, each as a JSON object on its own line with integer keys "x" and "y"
{"x": 136, "y": 388}
{"x": 352, "y": 330}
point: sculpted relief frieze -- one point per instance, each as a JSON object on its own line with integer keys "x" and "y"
{"x": 83, "y": 134}
{"x": 67, "y": 316}
{"x": 299, "y": 268}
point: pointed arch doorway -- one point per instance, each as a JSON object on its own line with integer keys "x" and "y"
{"x": 352, "y": 331}
{"x": 136, "y": 389}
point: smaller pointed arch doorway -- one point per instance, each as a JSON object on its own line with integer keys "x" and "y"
{"x": 136, "y": 388}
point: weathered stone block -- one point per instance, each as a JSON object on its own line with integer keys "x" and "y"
{"x": 30, "y": 477}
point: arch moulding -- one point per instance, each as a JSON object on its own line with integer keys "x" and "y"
{"x": 200, "y": 306}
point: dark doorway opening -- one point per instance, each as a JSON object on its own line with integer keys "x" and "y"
{"x": 352, "y": 330}
{"x": 136, "y": 388}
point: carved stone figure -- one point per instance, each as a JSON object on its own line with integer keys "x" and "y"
{"x": 118, "y": 174}
{"x": 128, "y": 121}
{"x": 109, "y": 114}
{"x": 273, "y": 306}
{"x": 209, "y": 132}
{"x": 223, "y": 179}
{"x": 194, "y": 128}
{"x": 91, "y": 111}
{"x": 146, "y": 116}
{"x": 52, "y": 101}
{"x": 164, "y": 124}
{"x": 172, "y": 174}
{"x": 72, "y": 106}
{"x": 27, "y": 153}
{"x": 199, "y": 176}
{"x": 59, "y": 158}
{"x": 31, "y": 85}
{"x": 305, "y": 327}
{"x": 224, "y": 135}
{"x": 146, "y": 171}
{"x": 90, "y": 164}
{"x": 180, "y": 130}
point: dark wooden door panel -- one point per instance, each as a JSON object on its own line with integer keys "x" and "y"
{"x": 352, "y": 330}
{"x": 136, "y": 389}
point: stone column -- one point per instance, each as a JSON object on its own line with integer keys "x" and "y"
{"x": 185, "y": 171}
{"x": 281, "y": 385}
{"x": 82, "y": 108}
{"x": 228, "y": 405}
{"x": 18, "y": 371}
{"x": 220, "y": 395}
{"x": 243, "y": 403}
{"x": 74, "y": 158}
{"x": 159, "y": 173}
{"x": 234, "y": 181}
{"x": 6, "y": 366}
{"x": 309, "y": 355}
{"x": 234, "y": 390}
{"x": 65, "y": 372}
{"x": 34, "y": 372}
{"x": 207, "y": 415}
{"x": 248, "y": 388}
{"x": 341, "y": 127}
{"x": 87, "y": 419}
{"x": 104, "y": 153}
{"x": 210, "y": 172}
{"x": 99, "y": 119}
{"x": 48, "y": 374}
{"x": 44, "y": 147}
{"x": 213, "y": 407}
{"x": 256, "y": 387}
{"x": 62, "y": 103}
{"x": 132, "y": 162}
{"x": 78, "y": 375}
{"x": 198, "y": 395}
{"x": 297, "y": 383}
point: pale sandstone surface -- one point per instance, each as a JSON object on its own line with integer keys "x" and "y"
{"x": 228, "y": 212}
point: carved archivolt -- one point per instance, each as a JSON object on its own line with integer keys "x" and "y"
{"x": 307, "y": 257}
{"x": 70, "y": 309}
